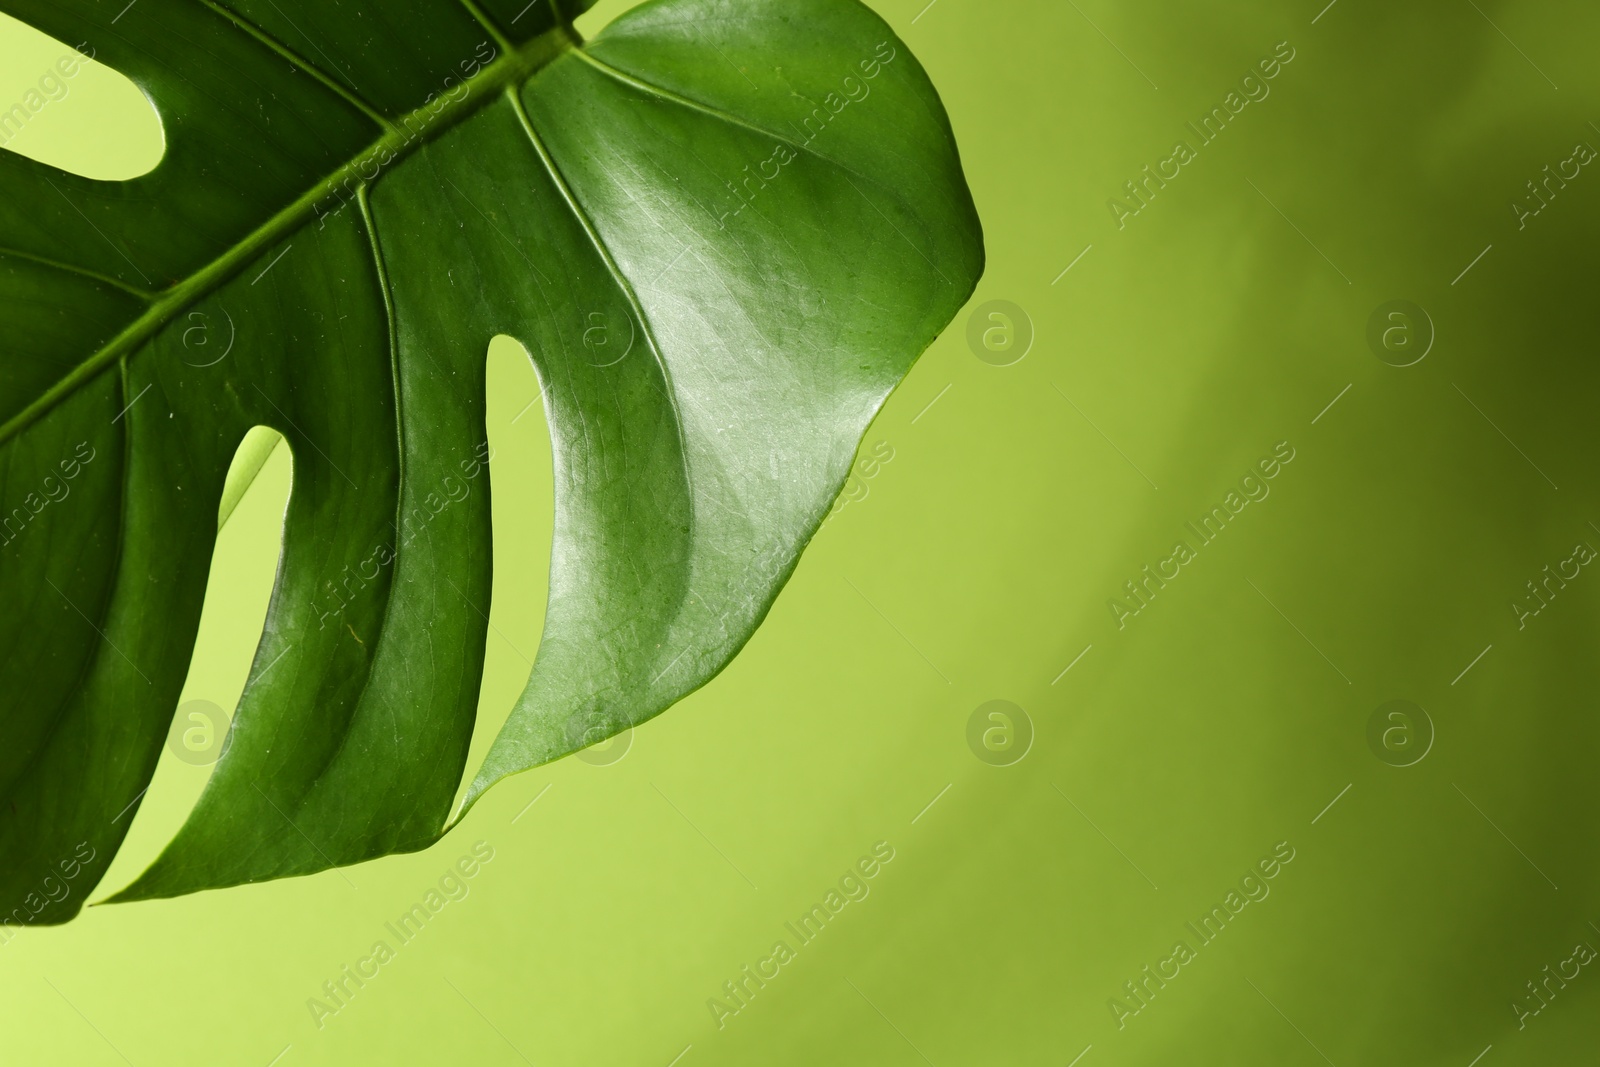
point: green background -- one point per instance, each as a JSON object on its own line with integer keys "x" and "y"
{"x": 976, "y": 565}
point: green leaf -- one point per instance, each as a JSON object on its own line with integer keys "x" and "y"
{"x": 723, "y": 228}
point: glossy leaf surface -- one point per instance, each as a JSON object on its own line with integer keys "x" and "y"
{"x": 723, "y": 229}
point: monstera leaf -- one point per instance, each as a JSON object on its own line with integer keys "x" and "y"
{"x": 723, "y": 229}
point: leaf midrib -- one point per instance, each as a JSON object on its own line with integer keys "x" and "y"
{"x": 513, "y": 68}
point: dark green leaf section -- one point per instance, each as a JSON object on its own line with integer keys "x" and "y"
{"x": 724, "y": 229}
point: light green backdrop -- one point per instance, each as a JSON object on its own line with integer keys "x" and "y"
{"x": 1229, "y": 717}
